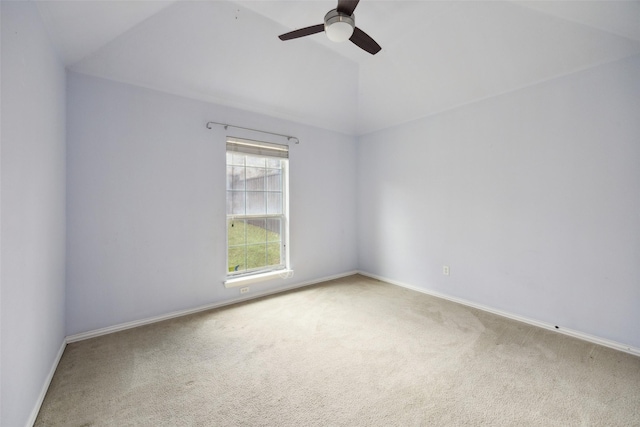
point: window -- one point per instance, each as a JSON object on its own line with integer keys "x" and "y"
{"x": 257, "y": 209}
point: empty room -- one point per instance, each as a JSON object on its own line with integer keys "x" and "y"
{"x": 320, "y": 213}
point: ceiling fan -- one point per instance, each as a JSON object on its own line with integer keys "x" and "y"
{"x": 340, "y": 25}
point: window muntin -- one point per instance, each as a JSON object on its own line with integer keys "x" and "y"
{"x": 256, "y": 208}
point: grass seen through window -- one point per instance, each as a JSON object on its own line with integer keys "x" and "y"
{"x": 253, "y": 244}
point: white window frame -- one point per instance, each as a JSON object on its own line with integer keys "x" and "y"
{"x": 267, "y": 150}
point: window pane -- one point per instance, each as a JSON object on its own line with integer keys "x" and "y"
{"x": 235, "y": 202}
{"x": 274, "y": 179}
{"x": 256, "y": 161}
{"x": 235, "y": 159}
{"x": 236, "y": 253}
{"x": 256, "y": 231}
{"x": 235, "y": 178}
{"x": 256, "y": 256}
{"x": 236, "y": 232}
{"x": 237, "y": 256}
{"x": 273, "y": 254}
{"x": 274, "y": 203}
{"x": 255, "y": 179}
{"x": 274, "y": 229}
{"x": 274, "y": 163}
{"x": 256, "y": 203}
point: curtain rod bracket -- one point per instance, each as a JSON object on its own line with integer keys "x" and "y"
{"x": 227, "y": 126}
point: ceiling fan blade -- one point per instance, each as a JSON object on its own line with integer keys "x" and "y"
{"x": 302, "y": 32}
{"x": 347, "y": 6}
{"x": 363, "y": 41}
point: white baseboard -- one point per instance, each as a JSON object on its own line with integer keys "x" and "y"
{"x": 123, "y": 326}
{"x": 572, "y": 333}
{"x": 36, "y": 409}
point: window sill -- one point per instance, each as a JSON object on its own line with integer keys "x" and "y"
{"x": 254, "y": 278}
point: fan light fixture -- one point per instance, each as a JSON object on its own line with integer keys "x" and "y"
{"x": 338, "y": 26}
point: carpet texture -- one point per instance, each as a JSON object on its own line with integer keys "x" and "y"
{"x": 349, "y": 352}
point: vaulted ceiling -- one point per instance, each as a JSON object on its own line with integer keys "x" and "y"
{"x": 436, "y": 55}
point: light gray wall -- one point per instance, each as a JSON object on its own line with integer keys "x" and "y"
{"x": 146, "y": 203}
{"x": 532, "y": 198}
{"x": 33, "y": 210}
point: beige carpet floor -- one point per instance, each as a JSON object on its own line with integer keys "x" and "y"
{"x": 350, "y": 352}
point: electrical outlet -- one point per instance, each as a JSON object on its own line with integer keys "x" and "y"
{"x": 244, "y": 290}
{"x": 445, "y": 270}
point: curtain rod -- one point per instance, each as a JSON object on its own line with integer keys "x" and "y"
{"x": 289, "y": 137}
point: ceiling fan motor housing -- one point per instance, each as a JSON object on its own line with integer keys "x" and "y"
{"x": 338, "y": 26}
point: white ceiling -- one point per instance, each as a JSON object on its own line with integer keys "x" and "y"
{"x": 436, "y": 55}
